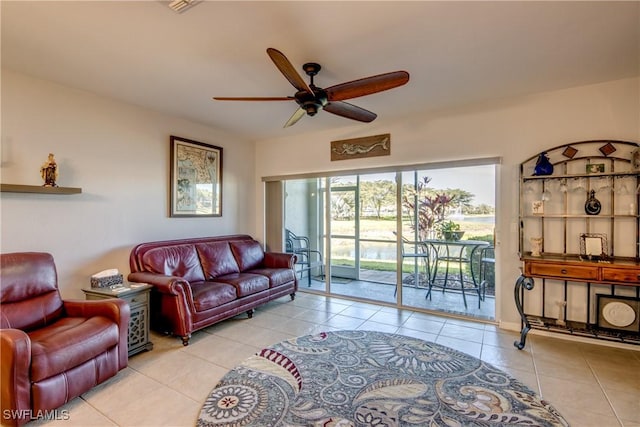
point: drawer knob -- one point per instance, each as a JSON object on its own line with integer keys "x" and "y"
{"x": 563, "y": 271}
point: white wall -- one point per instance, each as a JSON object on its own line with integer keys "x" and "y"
{"x": 119, "y": 155}
{"x": 513, "y": 129}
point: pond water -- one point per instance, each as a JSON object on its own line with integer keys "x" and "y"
{"x": 485, "y": 219}
{"x": 382, "y": 251}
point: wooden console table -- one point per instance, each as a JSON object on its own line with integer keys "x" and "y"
{"x": 571, "y": 269}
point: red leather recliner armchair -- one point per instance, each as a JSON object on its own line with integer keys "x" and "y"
{"x": 52, "y": 350}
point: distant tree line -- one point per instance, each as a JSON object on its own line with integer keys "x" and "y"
{"x": 378, "y": 199}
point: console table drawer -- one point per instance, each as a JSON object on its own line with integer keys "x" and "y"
{"x": 565, "y": 272}
{"x": 625, "y": 275}
{"x": 137, "y": 299}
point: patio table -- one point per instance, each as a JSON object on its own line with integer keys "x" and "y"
{"x": 461, "y": 252}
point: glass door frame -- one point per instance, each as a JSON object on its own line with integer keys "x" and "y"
{"x": 326, "y": 190}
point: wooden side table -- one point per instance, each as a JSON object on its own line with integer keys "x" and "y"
{"x": 137, "y": 296}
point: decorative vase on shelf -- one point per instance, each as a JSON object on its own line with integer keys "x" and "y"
{"x": 543, "y": 165}
{"x": 536, "y": 246}
{"x": 592, "y": 206}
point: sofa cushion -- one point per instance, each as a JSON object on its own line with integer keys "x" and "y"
{"x": 245, "y": 283}
{"x": 208, "y": 295}
{"x": 216, "y": 259}
{"x": 248, "y": 254}
{"x": 277, "y": 276}
{"x": 180, "y": 260}
{"x": 69, "y": 342}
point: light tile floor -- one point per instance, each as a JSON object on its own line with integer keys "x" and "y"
{"x": 590, "y": 384}
{"x": 450, "y": 302}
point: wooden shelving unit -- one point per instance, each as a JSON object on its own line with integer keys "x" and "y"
{"x": 564, "y": 287}
{"x": 17, "y": 188}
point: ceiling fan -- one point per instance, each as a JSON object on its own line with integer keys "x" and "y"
{"x": 312, "y": 98}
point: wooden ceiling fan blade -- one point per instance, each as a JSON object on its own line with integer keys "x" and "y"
{"x": 254, "y": 98}
{"x": 350, "y": 111}
{"x": 288, "y": 70}
{"x": 297, "y": 115}
{"x": 367, "y": 85}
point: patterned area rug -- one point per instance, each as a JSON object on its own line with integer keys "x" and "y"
{"x": 364, "y": 378}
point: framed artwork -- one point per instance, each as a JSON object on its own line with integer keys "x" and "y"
{"x": 595, "y": 168}
{"x": 537, "y": 207}
{"x": 619, "y": 313}
{"x": 195, "y": 179}
{"x": 594, "y": 246}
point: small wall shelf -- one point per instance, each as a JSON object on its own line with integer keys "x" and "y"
{"x": 17, "y": 188}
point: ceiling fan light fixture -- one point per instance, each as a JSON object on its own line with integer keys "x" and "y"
{"x": 311, "y": 108}
{"x": 179, "y": 6}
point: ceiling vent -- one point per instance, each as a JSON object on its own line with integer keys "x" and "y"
{"x": 179, "y": 6}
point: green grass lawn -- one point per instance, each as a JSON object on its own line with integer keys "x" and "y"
{"x": 407, "y": 266}
{"x": 382, "y": 229}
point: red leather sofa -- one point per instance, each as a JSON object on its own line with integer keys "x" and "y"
{"x": 200, "y": 281}
{"x": 53, "y": 350}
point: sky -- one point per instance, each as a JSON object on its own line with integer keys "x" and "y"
{"x": 477, "y": 180}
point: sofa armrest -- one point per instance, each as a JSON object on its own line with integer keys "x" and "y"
{"x": 15, "y": 383}
{"x": 166, "y": 284}
{"x": 175, "y": 304}
{"x": 279, "y": 260}
{"x": 114, "y": 309}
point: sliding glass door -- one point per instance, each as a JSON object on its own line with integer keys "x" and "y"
{"x": 302, "y": 233}
{"x": 352, "y": 225}
{"x": 448, "y": 223}
{"x": 377, "y": 235}
{"x": 363, "y": 236}
{"x": 344, "y": 229}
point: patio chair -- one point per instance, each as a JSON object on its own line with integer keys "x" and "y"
{"x": 487, "y": 260}
{"x": 422, "y": 253}
{"x": 307, "y": 258}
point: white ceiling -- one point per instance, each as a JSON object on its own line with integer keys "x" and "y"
{"x": 457, "y": 53}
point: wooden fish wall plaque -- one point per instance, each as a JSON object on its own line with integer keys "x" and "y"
{"x": 356, "y": 148}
